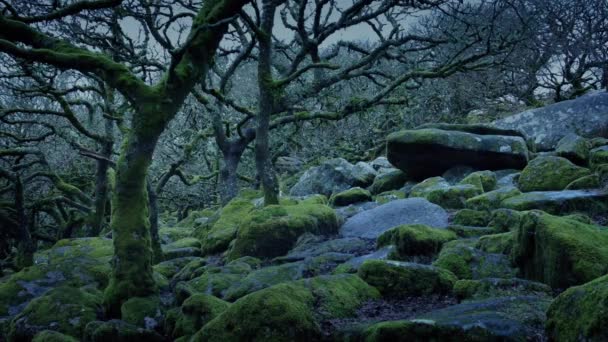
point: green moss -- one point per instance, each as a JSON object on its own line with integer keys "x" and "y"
{"x": 289, "y": 311}
{"x": 388, "y": 196}
{"x": 184, "y": 243}
{"x": 141, "y": 311}
{"x": 496, "y": 243}
{"x": 580, "y": 313}
{"x": 574, "y": 148}
{"x": 598, "y": 156}
{"x": 195, "y": 312}
{"x": 415, "y": 239}
{"x": 350, "y": 196}
{"x": 392, "y": 180}
{"x": 263, "y": 278}
{"x": 491, "y": 200}
{"x": 414, "y": 331}
{"x": 469, "y": 231}
{"x": 484, "y": 180}
{"x": 504, "y": 220}
{"x": 52, "y": 336}
{"x": 456, "y": 259}
{"x": 468, "y": 217}
{"x": 401, "y": 279}
{"x": 221, "y": 232}
{"x": 440, "y": 192}
{"x": 172, "y": 234}
{"x": 587, "y": 182}
{"x": 273, "y": 230}
{"x": 119, "y": 331}
{"x": 497, "y": 287}
{"x": 63, "y": 309}
{"x": 558, "y": 251}
{"x": 314, "y": 199}
{"x": 170, "y": 268}
{"x": 549, "y": 173}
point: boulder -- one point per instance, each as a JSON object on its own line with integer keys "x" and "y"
{"x": 370, "y": 224}
{"x": 469, "y": 217}
{"x": 142, "y": 311}
{"x": 484, "y": 180}
{"x": 290, "y": 311}
{"x": 430, "y": 152}
{"x": 119, "y": 331}
{"x": 598, "y": 156}
{"x": 398, "y": 279}
{"x": 548, "y": 173}
{"x": 499, "y": 287}
{"x": 437, "y": 190}
{"x": 580, "y": 313}
{"x": 309, "y": 246}
{"x": 560, "y": 251}
{"x": 387, "y": 181}
{"x": 559, "y": 202}
{"x": 350, "y": 196}
{"x": 591, "y": 181}
{"x": 221, "y": 230}
{"x": 63, "y": 309}
{"x": 466, "y": 261}
{"x": 415, "y": 239}
{"x": 574, "y": 148}
{"x": 332, "y": 176}
{"x": 586, "y": 116}
{"x": 273, "y": 230}
{"x": 195, "y": 312}
{"x": 493, "y": 199}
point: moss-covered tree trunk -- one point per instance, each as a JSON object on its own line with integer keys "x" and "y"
{"x": 25, "y": 248}
{"x": 157, "y": 252}
{"x": 132, "y": 263}
{"x": 269, "y": 97}
{"x": 101, "y": 189}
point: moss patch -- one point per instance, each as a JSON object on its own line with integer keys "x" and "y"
{"x": 549, "y": 173}
{"x": 350, "y": 196}
{"x": 415, "y": 239}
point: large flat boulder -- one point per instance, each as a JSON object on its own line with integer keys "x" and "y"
{"x": 586, "y": 116}
{"x": 372, "y": 223}
{"x": 427, "y": 152}
{"x": 559, "y": 202}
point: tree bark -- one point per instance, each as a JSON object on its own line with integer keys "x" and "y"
{"x": 25, "y": 248}
{"x": 269, "y": 97}
{"x": 157, "y": 251}
{"x": 101, "y": 190}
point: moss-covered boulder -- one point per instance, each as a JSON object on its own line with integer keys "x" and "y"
{"x": 499, "y": 287}
{"x": 221, "y": 230}
{"x": 70, "y": 262}
{"x": 213, "y": 280}
{"x": 142, "y": 311}
{"x": 491, "y": 200}
{"x": 598, "y": 156}
{"x": 195, "y": 312}
{"x": 559, "y": 251}
{"x": 466, "y": 261}
{"x": 290, "y": 311}
{"x": 63, "y": 309}
{"x": 470, "y": 217}
{"x": 265, "y": 277}
{"x": 273, "y": 230}
{"x": 437, "y": 190}
{"x": 119, "y": 331}
{"x": 504, "y": 220}
{"x": 168, "y": 235}
{"x": 484, "y": 180}
{"x": 415, "y": 239}
{"x": 470, "y": 231}
{"x": 171, "y": 267}
{"x": 548, "y": 173}
{"x": 591, "y": 181}
{"x": 402, "y": 279}
{"x": 580, "y": 313}
{"x": 575, "y": 148}
{"x": 350, "y": 196}
{"x": 560, "y": 202}
{"x": 496, "y": 243}
{"x": 412, "y": 330}
{"x": 53, "y": 336}
{"x": 429, "y": 152}
{"x": 388, "y": 181}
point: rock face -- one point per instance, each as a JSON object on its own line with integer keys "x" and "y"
{"x": 333, "y": 176}
{"x": 586, "y": 116}
{"x": 372, "y": 223}
{"x": 427, "y": 152}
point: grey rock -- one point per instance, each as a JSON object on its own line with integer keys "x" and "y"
{"x": 586, "y": 116}
{"x": 332, "y": 176}
{"x": 423, "y": 153}
{"x": 371, "y": 223}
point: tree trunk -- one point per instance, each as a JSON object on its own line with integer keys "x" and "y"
{"x": 132, "y": 263}
{"x": 101, "y": 190}
{"x": 269, "y": 98}
{"x": 25, "y": 248}
{"x": 229, "y": 177}
{"x": 157, "y": 252}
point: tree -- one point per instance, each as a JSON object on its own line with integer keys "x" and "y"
{"x": 152, "y": 107}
